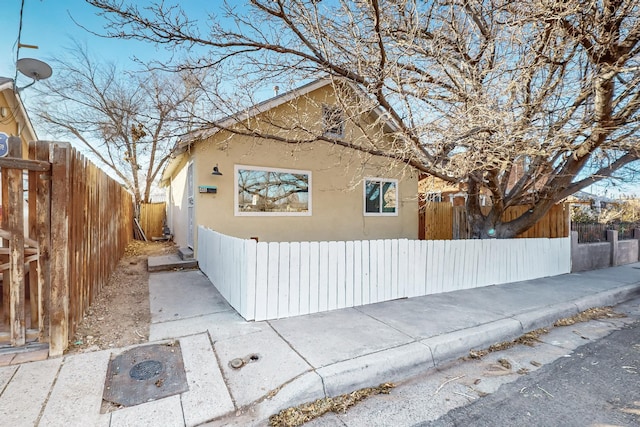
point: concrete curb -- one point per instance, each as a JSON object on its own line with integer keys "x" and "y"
{"x": 373, "y": 369}
{"x": 536, "y": 319}
{"x": 456, "y": 344}
{"x": 610, "y": 297}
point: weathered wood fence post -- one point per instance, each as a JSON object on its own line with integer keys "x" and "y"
{"x": 59, "y": 306}
{"x": 16, "y": 247}
{"x": 40, "y": 151}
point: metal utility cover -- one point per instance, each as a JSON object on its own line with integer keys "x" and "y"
{"x": 145, "y": 373}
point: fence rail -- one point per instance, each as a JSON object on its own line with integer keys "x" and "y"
{"x": 282, "y": 279}
{"x": 596, "y": 232}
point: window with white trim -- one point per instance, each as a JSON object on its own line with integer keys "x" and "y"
{"x": 261, "y": 191}
{"x": 380, "y": 197}
{"x": 332, "y": 121}
{"x": 433, "y": 196}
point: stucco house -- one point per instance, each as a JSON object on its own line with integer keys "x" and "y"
{"x": 281, "y": 191}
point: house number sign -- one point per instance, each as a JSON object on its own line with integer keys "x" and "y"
{"x": 4, "y": 144}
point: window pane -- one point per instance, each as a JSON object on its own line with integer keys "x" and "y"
{"x": 389, "y": 197}
{"x": 267, "y": 191}
{"x": 372, "y": 197}
{"x": 381, "y": 197}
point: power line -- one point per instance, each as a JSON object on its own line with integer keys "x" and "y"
{"x": 15, "y": 78}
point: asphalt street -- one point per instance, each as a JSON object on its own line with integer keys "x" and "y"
{"x": 597, "y": 386}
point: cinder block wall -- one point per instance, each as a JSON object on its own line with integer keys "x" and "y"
{"x": 592, "y": 256}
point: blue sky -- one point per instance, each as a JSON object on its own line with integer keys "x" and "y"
{"x": 50, "y": 25}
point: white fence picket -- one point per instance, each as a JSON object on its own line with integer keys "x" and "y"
{"x": 366, "y": 272}
{"x": 314, "y": 277}
{"x": 383, "y": 277}
{"x": 323, "y": 276}
{"x": 332, "y": 276}
{"x": 403, "y": 267}
{"x": 410, "y": 268}
{"x": 341, "y": 279}
{"x": 294, "y": 279}
{"x": 273, "y": 261}
{"x": 251, "y": 262}
{"x": 358, "y": 279}
{"x": 262, "y": 269}
{"x": 275, "y": 280}
{"x": 395, "y": 264}
{"x": 304, "y": 277}
{"x": 283, "y": 279}
{"x": 438, "y": 250}
{"x": 349, "y": 266}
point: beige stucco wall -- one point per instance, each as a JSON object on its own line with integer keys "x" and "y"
{"x": 14, "y": 123}
{"x": 337, "y": 193}
{"x": 177, "y": 214}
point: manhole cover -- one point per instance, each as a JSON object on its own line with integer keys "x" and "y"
{"x": 146, "y": 370}
{"x": 145, "y": 373}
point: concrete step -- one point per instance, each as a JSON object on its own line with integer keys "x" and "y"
{"x": 185, "y": 253}
{"x": 170, "y": 262}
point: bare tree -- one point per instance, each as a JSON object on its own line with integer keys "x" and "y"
{"x": 528, "y": 100}
{"x": 128, "y": 121}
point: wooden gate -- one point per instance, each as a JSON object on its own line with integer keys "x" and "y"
{"x": 25, "y": 233}
{"x": 60, "y": 243}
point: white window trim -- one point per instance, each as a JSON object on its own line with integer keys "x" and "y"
{"x": 364, "y": 197}
{"x": 236, "y": 200}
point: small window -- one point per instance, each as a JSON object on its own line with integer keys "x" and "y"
{"x": 272, "y": 192}
{"x": 380, "y": 197}
{"x": 332, "y": 121}
{"x": 434, "y": 196}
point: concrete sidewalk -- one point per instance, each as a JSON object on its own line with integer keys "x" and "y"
{"x": 289, "y": 361}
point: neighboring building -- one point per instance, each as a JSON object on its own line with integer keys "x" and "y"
{"x": 434, "y": 189}
{"x": 594, "y": 202}
{"x": 14, "y": 120}
{"x": 278, "y": 191}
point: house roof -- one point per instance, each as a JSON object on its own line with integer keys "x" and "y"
{"x": 7, "y": 87}
{"x": 5, "y": 83}
{"x": 586, "y": 196}
{"x": 276, "y": 101}
{"x": 253, "y": 111}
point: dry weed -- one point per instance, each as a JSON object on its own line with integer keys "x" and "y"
{"x": 533, "y": 337}
{"x": 595, "y": 313}
{"x": 296, "y": 416}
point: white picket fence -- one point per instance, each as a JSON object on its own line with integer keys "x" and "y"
{"x": 275, "y": 280}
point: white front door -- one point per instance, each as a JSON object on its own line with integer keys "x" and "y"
{"x": 190, "y": 205}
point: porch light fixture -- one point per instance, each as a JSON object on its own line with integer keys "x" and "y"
{"x": 216, "y": 171}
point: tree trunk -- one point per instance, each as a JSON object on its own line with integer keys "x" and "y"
{"x": 491, "y": 225}
{"x": 483, "y": 226}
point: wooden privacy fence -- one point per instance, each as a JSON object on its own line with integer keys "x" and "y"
{"x": 78, "y": 224}
{"x": 275, "y": 280}
{"x": 152, "y": 216}
{"x": 444, "y": 221}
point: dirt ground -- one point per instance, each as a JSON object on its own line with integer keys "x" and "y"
{"x": 120, "y": 316}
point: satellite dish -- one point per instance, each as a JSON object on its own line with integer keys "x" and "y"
{"x": 34, "y": 68}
